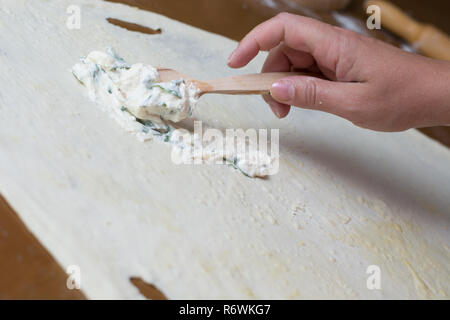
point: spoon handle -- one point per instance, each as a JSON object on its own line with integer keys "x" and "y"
{"x": 259, "y": 83}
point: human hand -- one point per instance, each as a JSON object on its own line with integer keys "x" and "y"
{"x": 370, "y": 83}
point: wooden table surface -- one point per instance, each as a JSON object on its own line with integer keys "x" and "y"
{"x": 28, "y": 271}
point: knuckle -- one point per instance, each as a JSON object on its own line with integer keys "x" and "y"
{"x": 352, "y": 38}
{"x": 283, "y": 16}
{"x": 347, "y": 33}
{"x": 309, "y": 93}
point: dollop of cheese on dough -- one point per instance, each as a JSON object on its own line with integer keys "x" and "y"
{"x": 136, "y": 98}
{"x": 136, "y": 88}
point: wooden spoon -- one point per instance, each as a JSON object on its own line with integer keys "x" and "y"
{"x": 259, "y": 83}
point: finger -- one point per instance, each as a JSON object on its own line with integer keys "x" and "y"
{"x": 280, "y": 59}
{"x": 299, "y": 33}
{"x": 279, "y": 109}
{"x": 277, "y": 61}
{"x": 314, "y": 93}
{"x": 298, "y": 59}
{"x": 284, "y": 58}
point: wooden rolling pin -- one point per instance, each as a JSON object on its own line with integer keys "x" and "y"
{"x": 426, "y": 38}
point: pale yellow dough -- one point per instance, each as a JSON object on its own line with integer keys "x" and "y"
{"x": 345, "y": 198}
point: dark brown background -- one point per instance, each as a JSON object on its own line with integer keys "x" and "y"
{"x": 28, "y": 271}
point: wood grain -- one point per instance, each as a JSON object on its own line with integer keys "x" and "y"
{"x": 28, "y": 271}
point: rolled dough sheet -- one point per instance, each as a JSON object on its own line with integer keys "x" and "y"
{"x": 345, "y": 198}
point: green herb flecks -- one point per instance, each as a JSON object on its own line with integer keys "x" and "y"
{"x": 119, "y": 61}
{"x": 234, "y": 164}
{"x": 81, "y": 82}
{"x": 158, "y": 130}
{"x": 172, "y": 87}
{"x": 95, "y": 72}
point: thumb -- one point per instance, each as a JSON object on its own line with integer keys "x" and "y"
{"x": 315, "y": 93}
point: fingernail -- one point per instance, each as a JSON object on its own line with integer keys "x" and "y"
{"x": 283, "y": 90}
{"x": 275, "y": 110}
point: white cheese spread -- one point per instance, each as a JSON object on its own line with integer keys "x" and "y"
{"x": 135, "y": 98}
{"x": 136, "y": 87}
